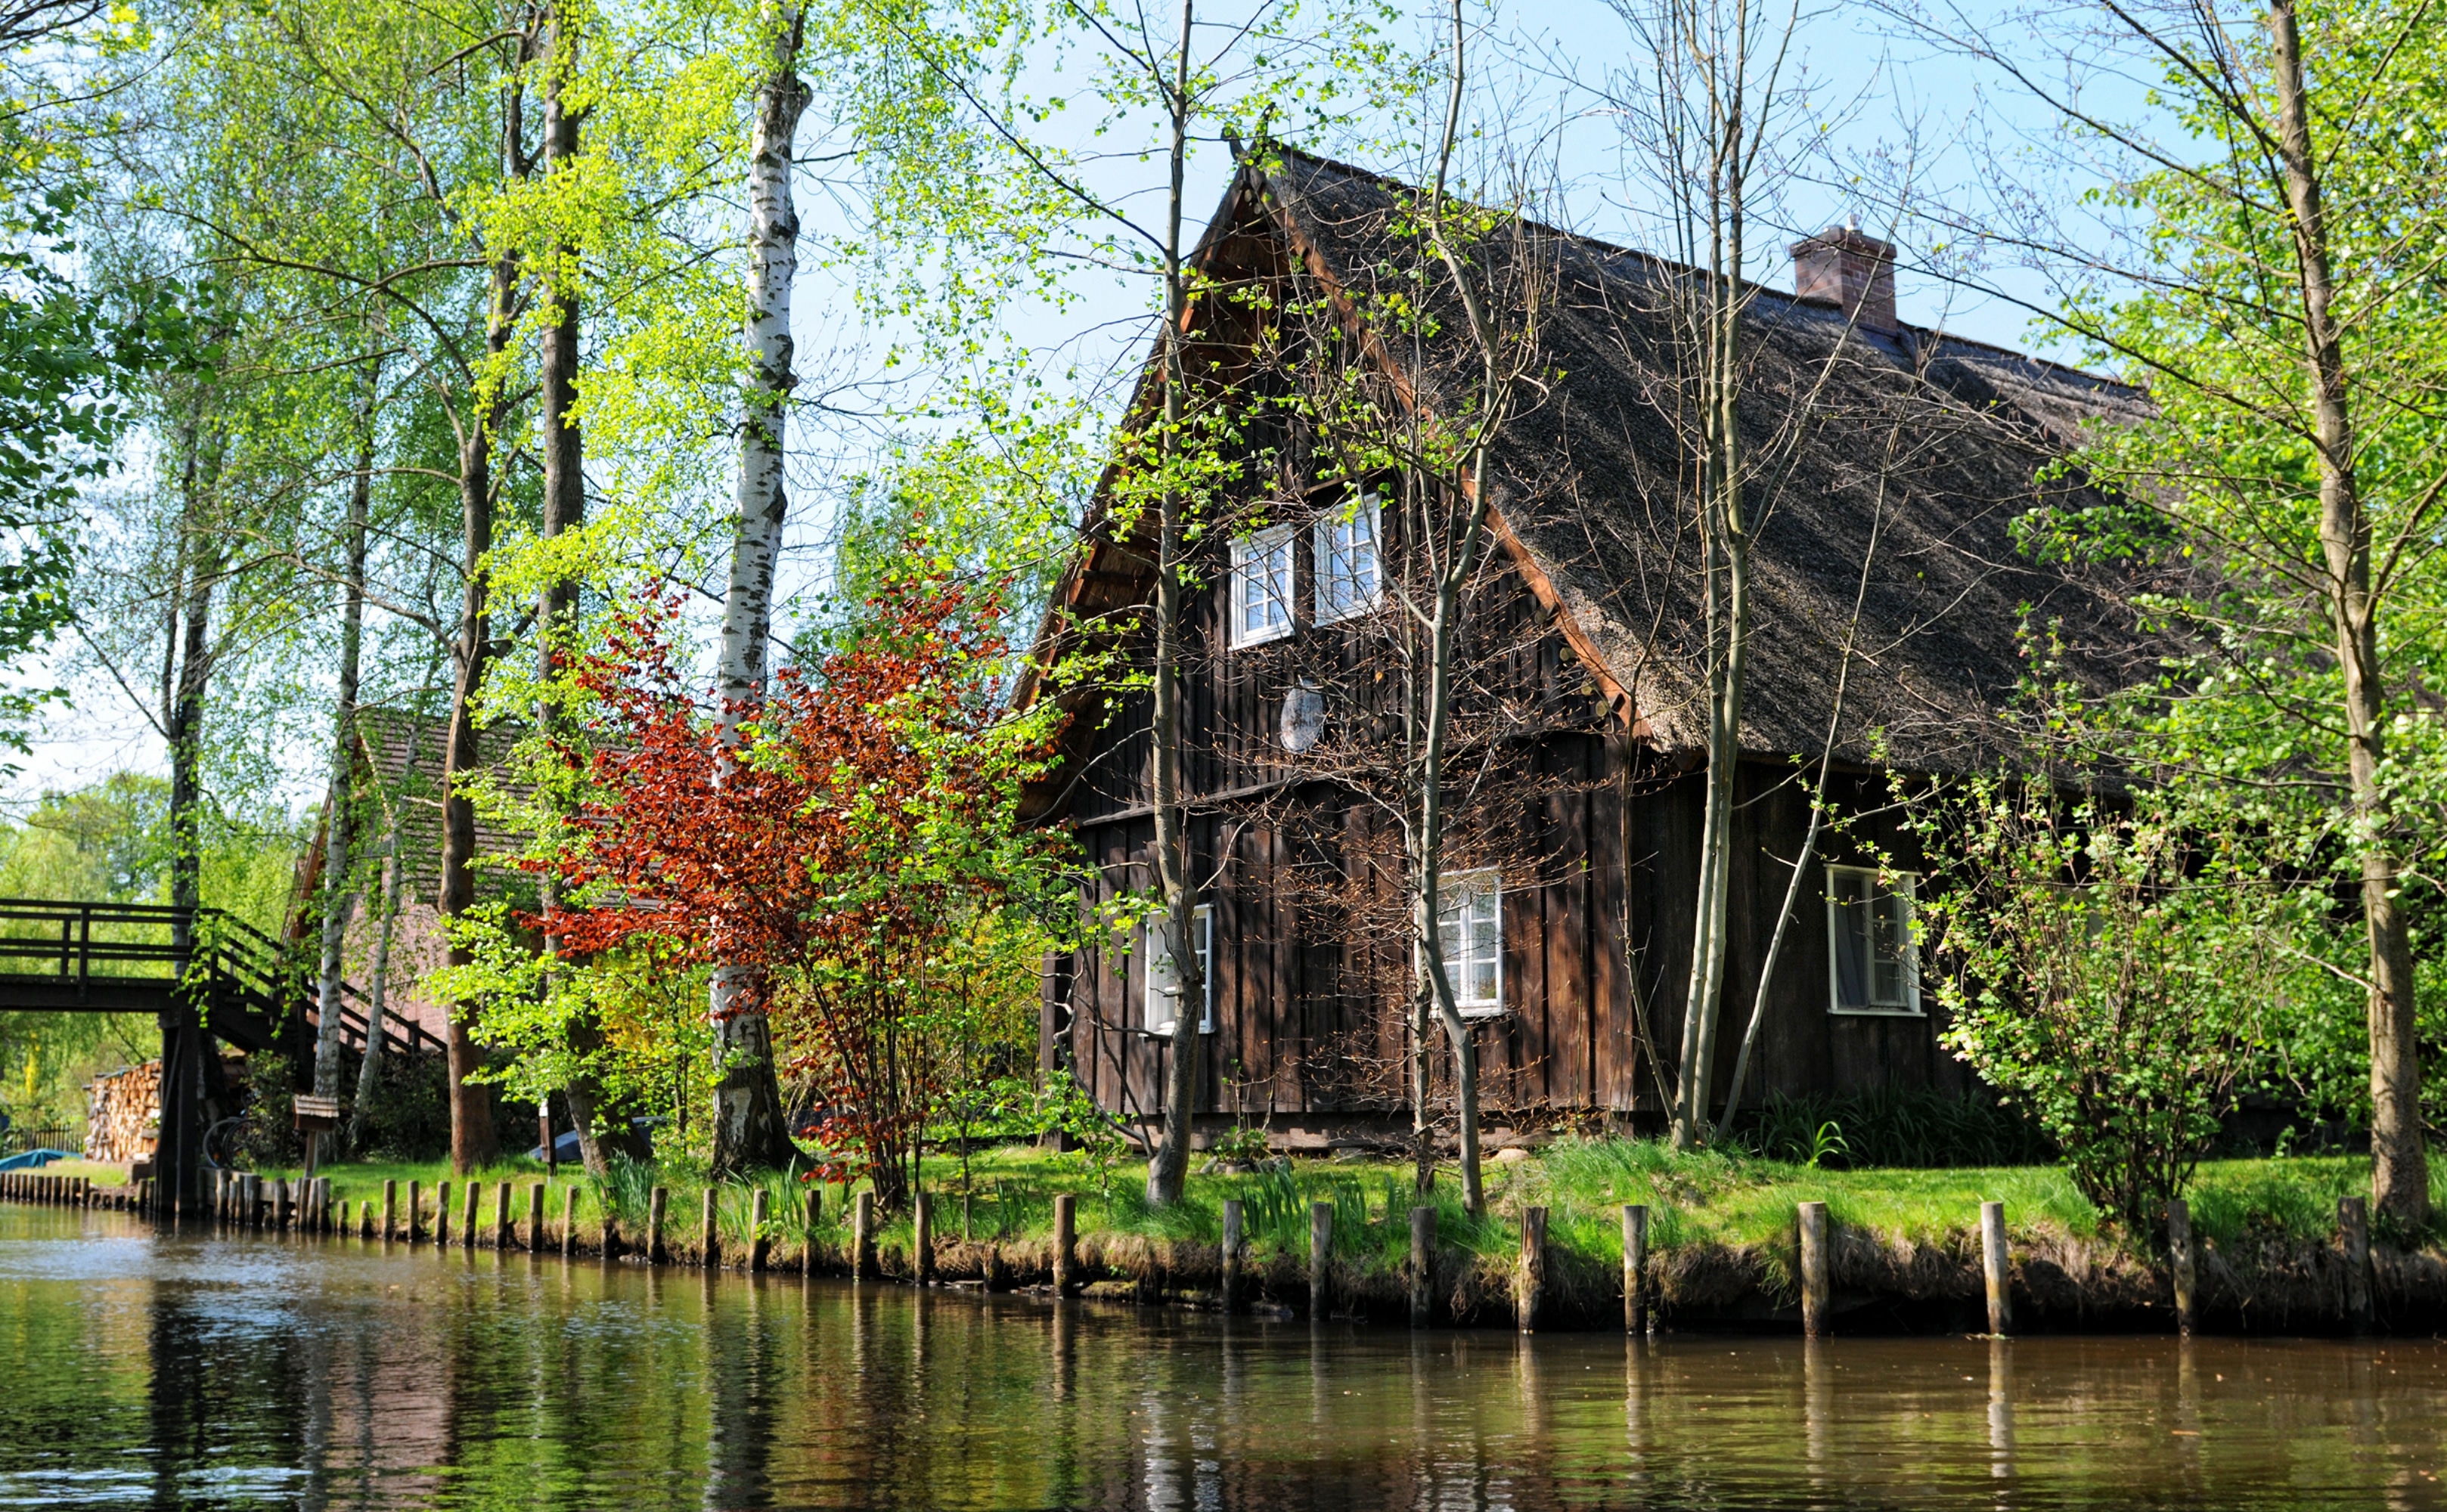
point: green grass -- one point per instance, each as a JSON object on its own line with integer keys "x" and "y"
{"x": 1710, "y": 1197}
{"x": 101, "y": 1173}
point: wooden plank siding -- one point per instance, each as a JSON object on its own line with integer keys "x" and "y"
{"x": 1590, "y": 628}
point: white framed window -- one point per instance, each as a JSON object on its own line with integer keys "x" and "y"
{"x": 1163, "y": 972}
{"x": 1262, "y": 586}
{"x": 1348, "y": 570}
{"x": 1470, "y": 934}
{"x": 1872, "y": 966}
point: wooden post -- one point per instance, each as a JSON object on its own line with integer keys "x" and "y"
{"x": 506, "y": 1234}
{"x": 1813, "y": 1268}
{"x": 815, "y": 1215}
{"x": 1635, "y": 1268}
{"x": 657, "y": 1202}
{"x": 1997, "y": 1264}
{"x": 253, "y": 1200}
{"x": 569, "y": 1220}
{"x": 391, "y": 1209}
{"x": 922, "y": 1238}
{"x": 323, "y": 1204}
{"x": 441, "y": 1214}
{"x": 467, "y": 1218}
{"x": 861, "y": 1237}
{"x": 1321, "y": 1259}
{"x": 1066, "y": 1242}
{"x": 1423, "y": 1265}
{"x": 710, "y": 1242}
{"x": 543, "y": 1127}
{"x": 1232, "y": 1222}
{"x": 758, "y": 1216}
{"x": 535, "y": 1219}
{"x": 2179, "y": 1259}
{"x": 1532, "y": 1281}
{"x": 365, "y": 1220}
{"x": 2353, "y": 1224}
{"x": 416, "y": 1209}
{"x": 282, "y": 1208}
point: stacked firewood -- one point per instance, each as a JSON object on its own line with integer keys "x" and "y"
{"x": 124, "y": 1115}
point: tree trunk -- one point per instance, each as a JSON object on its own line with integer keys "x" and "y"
{"x": 200, "y": 547}
{"x": 1728, "y": 565}
{"x": 331, "y": 979}
{"x": 1169, "y": 1172}
{"x": 473, "y": 1140}
{"x": 749, "y": 1128}
{"x": 1427, "y": 862}
{"x": 2400, "y": 1167}
{"x": 377, "y": 989}
{"x": 564, "y": 508}
{"x": 186, "y": 671}
{"x": 1461, "y": 518}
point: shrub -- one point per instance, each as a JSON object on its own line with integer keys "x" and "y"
{"x": 2105, "y": 971}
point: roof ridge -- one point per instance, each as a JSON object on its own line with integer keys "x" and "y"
{"x": 1786, "y": 296}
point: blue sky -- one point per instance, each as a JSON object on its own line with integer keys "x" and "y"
{"x": 1867, "y": 98}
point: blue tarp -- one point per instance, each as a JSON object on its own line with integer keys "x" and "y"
{"x": 34, "y": 1160}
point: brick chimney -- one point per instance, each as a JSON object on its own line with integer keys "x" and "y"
{"x": 1849, "y": 270}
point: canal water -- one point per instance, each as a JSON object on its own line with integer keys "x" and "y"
{"x": 195, "y": 1371}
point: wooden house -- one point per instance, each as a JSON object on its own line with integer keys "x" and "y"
{"x": 1886, "y": 564}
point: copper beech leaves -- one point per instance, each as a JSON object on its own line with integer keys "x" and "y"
{"x": 866, "y": 824}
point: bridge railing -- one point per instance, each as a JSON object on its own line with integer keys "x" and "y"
{"x": 70, "y": 938}
{"x": 80, "y": 943}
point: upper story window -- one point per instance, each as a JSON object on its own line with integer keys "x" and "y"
{"x": 1163, "y": 971}
{"x": 1470, "y": 933}
{"x": 1347, "y": 562}
{"x": 1262, "y": 586}
{"x": 1872, "y": 966}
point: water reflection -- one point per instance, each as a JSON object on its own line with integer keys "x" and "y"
{"x": 192, "y": 1371}
{"x": 2000, "y": 1408}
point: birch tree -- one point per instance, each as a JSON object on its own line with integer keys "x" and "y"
{"x": 749, "y": 1128}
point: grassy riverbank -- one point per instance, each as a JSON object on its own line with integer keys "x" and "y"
{"x": 1705, "y": 1199}
{"x": 1904, "y": 1246}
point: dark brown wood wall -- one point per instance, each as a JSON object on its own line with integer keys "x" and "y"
{"x": 1596, "y": 942}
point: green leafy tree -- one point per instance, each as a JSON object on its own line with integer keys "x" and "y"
{"x": 2110, "y": 969}
{"x": 2256, "y": 244}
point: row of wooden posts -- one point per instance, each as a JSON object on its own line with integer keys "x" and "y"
{"x": 244, "y": 1200}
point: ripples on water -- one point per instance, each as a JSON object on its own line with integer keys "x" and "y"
{"x": 202, "y": 1372}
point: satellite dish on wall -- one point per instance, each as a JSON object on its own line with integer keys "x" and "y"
{"x": 1303, "y": 717}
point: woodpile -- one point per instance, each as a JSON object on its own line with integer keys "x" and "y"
{"x": 124, "y": 1115}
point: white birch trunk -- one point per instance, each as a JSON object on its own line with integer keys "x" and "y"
{"x": 748, "y": 1127}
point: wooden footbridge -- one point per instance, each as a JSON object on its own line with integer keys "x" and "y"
{"x": 202, "y": 975}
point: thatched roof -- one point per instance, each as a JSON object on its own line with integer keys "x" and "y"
{"x": 404, "y": 755}
{"x": 1932, "y": 445}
